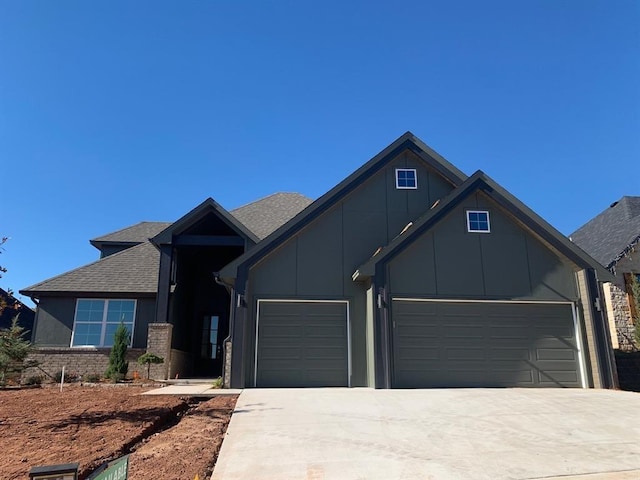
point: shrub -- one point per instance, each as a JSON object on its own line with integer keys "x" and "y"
{"x": 217, "y": 383}
{"x": 148, "y": 359}
{"x": 69, "y": 377}
{"x": 14, "y": 350}
{"x": 92, "y": 378}
{"x": 34, "y": 380}
{"x": 118, "y": 365}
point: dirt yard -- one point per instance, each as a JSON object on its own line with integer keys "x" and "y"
{"x": 168, "y": 437}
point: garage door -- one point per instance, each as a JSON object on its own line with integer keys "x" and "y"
{"x": 302, "y": 344}
{"x": 476, "y": 344}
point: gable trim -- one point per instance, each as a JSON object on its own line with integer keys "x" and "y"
{"x": 238, "y": 268}
{"x": 209, "y": 205}
{"x": 479, "y": 181}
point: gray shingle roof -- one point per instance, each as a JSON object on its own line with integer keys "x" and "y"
{"x": 267, "y": 214}
{"x": 138, "y": 233}
{"x": 134, "y": 270}
{"x": 612, "y": 233}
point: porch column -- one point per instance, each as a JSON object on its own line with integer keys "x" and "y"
{"x": 164, "y": 284}
{"x": 159, "y": 343}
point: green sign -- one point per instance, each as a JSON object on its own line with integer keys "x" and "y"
{"x": 115, "y": 470}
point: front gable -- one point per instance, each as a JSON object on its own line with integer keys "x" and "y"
{"x": 367, "y": 206}
{"x": 319, "y": 259}
{"x": 521, "y": 235}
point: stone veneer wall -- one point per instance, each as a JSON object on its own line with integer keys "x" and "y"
{"x": 226, "y": 373}
{"x": 78, "y": 361}
{"x": 619, "y": 313}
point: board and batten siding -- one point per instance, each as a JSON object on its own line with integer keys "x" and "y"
{"x": 508, "y": 263}
{"x": 318, "y": 262}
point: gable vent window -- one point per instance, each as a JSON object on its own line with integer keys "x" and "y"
{"x": 406, "y": 178}
{"x": 478, "y": 221}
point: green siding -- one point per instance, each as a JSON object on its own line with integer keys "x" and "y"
{"x": 319, "y": 261}
{"x": 54, "y": 322}
{"x": 508, "y": 263}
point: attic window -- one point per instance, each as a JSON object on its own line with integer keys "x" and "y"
{"x": 406, "y": 179}
{"x": 478, "y": 221}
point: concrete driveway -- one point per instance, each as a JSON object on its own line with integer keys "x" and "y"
{"x": 432, "y": 434}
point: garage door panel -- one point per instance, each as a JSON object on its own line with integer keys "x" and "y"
{"x": 464, "y": 344}
{"x": 302, "y": 344}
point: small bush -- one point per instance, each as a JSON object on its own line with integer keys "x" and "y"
{"x": 148, "y": 359}
{"x": 92, "y": 378}
{"x": 69, "y": 377}
{"x": 217, "y": 383}
{"x": 34, "y": 380}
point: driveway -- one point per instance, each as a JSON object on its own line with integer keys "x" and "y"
{"x": 432, "y": 434}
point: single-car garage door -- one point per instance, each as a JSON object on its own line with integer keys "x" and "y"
{"x": 302, "y": 344}
{"x": 477, "y": 344}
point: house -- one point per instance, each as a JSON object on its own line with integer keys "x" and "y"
{"x": 11, "y": 307}
{"x": 408, "y": 273}
{"x": 612, "y": 237}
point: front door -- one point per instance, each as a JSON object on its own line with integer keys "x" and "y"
{"x": 212, "y": 334}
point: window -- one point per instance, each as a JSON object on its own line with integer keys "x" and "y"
{"x": 209, "y": 346}
{"x": 406, "y": 178}
{"x": 478, "y": 221}
{"x": 97, "y": 320}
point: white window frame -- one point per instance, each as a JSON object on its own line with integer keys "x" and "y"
{"x": 104, "y": 320}
{"x": 415, "y": 174}
{"x": 470, "y": 230}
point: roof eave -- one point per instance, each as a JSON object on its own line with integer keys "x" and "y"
{"x": 406, "y": 141}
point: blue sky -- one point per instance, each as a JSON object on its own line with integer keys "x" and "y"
{"x": 113, "y": 112}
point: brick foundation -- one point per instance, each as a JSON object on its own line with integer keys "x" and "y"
{"x": 77, "y": 361}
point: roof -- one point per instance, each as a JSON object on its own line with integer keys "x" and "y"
{"x": 134, "y": 270}
{"x": 198, "y": 213}
{"x": 264, "y": 216}
{"x": 480, "y": 181}
{"x": 138, "y": 233}
{"x": 611, "y": 234}
{"x": 15, "y": 307}
{"x": 408, "y": 141}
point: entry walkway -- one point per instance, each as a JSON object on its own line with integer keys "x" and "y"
{"x": 470, "y": 434}
{"x": 198, "y": 390}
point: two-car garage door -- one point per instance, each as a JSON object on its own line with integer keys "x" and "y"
{"x": 484, "y": 344}
{"x": 302, "y": 344}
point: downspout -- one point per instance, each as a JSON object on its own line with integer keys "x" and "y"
{"x": 232, "y": 316}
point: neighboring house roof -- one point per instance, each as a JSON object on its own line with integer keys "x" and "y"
{"x": 264, "y": 216}
{"x": 15, "y": 307}
{"x": 480, "y": 181}
{"x": 408, "y": 141}
{"x": 134, "y": 270}
{"x": 138, "y": 233}
{"x": 610, "y": 235}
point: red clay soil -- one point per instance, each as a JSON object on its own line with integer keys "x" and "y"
{"x": 169, "y": 437}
